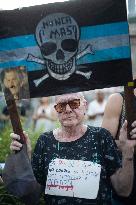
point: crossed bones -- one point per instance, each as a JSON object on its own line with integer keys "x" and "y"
{"x": 87, "y": 50}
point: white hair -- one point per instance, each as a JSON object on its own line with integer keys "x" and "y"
{"x": 80, "y": 94}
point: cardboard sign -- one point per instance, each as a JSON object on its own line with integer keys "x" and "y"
{"x": 73, "y": 178}
{"x": 69, "y": 46}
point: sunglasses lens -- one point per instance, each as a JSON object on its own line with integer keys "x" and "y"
{"x": 74, "y": 103}
{"x": 61, "y": 107}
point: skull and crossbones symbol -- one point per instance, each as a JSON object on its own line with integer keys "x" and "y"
{"x": 57, "y": 36}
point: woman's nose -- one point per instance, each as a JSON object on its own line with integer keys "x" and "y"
{"x": 68, "y": 108}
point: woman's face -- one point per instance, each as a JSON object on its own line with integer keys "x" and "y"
{"x": 71, "y": 117}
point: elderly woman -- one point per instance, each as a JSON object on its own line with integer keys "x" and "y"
{"x": 77, "y": 164}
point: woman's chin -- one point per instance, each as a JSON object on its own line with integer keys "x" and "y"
{"x": 69, "y": 124}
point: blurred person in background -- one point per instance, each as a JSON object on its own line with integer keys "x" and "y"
{"x": 5, "y": 118}
{"x": 96, "y": 109}
{"x": 20, "y": 107}
{"x": 44, "y": 117}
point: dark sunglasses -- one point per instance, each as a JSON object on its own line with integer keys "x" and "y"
{"x": 61, "y": 107}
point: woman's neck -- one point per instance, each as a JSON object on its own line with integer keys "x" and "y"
{"x": 68, "y": 134}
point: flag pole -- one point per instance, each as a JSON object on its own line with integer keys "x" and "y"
{"x": 14, "y": 116}
{"x": 129, "y": 106}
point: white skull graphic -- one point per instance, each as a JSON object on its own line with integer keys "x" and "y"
{"x": 57, "y": 36}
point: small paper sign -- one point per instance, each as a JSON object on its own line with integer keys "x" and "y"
{"x": 74, "y": 178}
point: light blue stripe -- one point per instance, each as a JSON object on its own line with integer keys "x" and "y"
{"x": 106, "y": 55}
{"x": 104, "y": 30}
{"x": 17, "y": 42}
{"x": 100, "y": 43}
{"x": 86, "y": 33}
{"x": 100, "y": 55}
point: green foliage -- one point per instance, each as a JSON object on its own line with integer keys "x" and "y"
{"x": 5, "y": 139}
{"x": 7, "y": 199}
{"x": 5, "y": 142}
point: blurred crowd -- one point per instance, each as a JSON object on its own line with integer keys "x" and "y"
{"x": 39, "y": 113}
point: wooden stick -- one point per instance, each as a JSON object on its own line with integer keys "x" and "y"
{"x": 130, "y": 106}
{"x": 14, "y": 116}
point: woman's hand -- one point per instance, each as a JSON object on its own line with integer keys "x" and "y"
{"x": 16, "y": 145}
{"x": 125, "y": 145}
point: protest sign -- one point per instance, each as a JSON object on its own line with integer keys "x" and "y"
{"x": 68, "y": 46}
{"x": 73, "y": 178}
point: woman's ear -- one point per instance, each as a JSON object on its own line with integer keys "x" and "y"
{"x": 86, "y": 105}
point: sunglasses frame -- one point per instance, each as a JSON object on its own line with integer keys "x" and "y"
{"x": 65, "y": 104}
